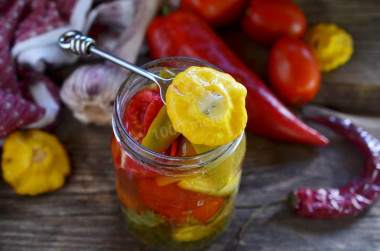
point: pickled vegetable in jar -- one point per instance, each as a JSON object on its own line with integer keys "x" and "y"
{"x": 178, "y": 166}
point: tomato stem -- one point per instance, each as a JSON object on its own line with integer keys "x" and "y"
{"x": 165, "y": 10}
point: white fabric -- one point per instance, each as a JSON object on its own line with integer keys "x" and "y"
{"x": 48, "y": 102}
{"x": 33, "y": 52}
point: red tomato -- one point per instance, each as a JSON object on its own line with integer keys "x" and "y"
{"x": 178, "y": 204}
{"x": 293, "y": 71}
{"x": 134, "y": 116}
{"x": 266, "y": 21}
{"x": 215, "y": 12}
{"x": 144, "y": 101}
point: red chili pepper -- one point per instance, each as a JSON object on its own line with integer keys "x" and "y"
{"x": 357, "y": 195}
{"x": 349, "y": 200}
{"x": 184, "y": 34}
{"x": 215, "y": 12}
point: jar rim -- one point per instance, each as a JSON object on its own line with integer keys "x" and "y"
{"x": 158, "y": 159}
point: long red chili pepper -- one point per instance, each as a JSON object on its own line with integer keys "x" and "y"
{"x": 184, "y": 34}
{"x": 349, "y": 200}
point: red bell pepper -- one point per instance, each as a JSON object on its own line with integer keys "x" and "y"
{"x": 215, "y": 12}
{"x": 182, "y": 33}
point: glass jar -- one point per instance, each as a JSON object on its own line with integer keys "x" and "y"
{"x": 172, "y": 202}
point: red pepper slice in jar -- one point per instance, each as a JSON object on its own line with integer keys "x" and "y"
{"x": 184, "y": 34}
{"x": 174, "y": 148}
{"x": 185, "y": 148}
{"x": 152, "y": 111}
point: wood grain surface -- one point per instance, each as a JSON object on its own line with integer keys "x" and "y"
{"x": 85, "y": 214}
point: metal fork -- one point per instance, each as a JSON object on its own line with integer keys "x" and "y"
{"x": 83, "y": 46}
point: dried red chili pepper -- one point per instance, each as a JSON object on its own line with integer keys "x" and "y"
{"x": 357, "y": 195}
{"x": 349, "y": 200}
{"x": 184, "y": 34}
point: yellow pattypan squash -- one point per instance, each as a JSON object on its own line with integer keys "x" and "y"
{"x": 332, "y": 45}
{"x": 34, "y": 162}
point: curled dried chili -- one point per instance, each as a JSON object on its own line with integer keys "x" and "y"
{"x": 354, "y": 197}
{"x": 348, "y": 200}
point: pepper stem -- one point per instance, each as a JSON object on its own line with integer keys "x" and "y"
{"x": 165, "y": 10}
{"x": 254, "y": 215}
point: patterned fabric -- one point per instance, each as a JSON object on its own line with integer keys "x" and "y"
{"x": 29, "y": 32}
{"x": 23, "y": 20}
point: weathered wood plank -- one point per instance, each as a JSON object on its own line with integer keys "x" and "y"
{"x": 85, "y": 215}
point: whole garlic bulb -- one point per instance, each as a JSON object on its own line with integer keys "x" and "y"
{"x": 90, "y": 92}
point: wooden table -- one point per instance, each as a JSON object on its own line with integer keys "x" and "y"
{"x": 85, "y": 214}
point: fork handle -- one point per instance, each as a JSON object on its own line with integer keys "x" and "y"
{"x": 83, "y": 46}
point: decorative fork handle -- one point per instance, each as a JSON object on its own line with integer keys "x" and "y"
{"x": 76, "y": 42}
{"x": 83, "y": 46}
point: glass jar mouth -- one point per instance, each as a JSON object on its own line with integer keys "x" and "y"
{"x": 153, "y": 158}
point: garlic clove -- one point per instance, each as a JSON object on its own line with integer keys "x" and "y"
{"x": 90, "y": 92}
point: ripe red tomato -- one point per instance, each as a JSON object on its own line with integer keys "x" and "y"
{"x": 215, "y": 12}
{"x": 178, "y": 204}
{"x": 266, "y": 21}
{"x": 140, "y": 113}
{"x": 293, "y": 71}
{"x": 135, "y": 113}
